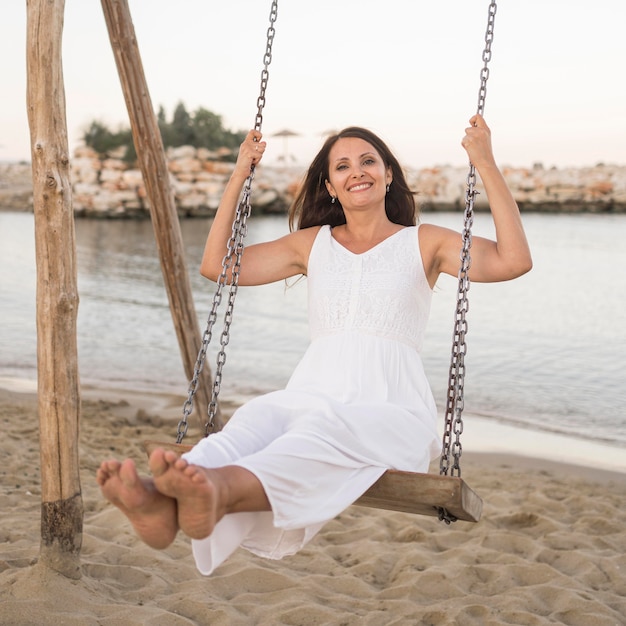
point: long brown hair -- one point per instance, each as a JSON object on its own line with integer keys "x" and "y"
{"x": 312, "y": 205}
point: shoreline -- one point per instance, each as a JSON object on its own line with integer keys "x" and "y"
{"x": 487, "y": 439}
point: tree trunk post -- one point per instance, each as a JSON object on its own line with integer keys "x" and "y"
{"x": 153, "y": 163}
{"x": 57, "y": 294}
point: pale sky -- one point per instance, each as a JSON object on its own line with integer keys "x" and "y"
{"x": 407, "y": 69}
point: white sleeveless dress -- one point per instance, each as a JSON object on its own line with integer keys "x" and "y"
{"x": 357, "y": 404}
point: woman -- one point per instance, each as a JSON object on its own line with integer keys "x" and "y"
{"x": 358, "y": 403}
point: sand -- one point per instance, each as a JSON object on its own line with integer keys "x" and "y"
{"x": 550, "y": 549}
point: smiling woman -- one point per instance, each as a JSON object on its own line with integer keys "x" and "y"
{"x": 356, "y": 171}
{"x": 370, "y": 283}
{"x": 368, "y": 154}
{"x": 370, "y": 274}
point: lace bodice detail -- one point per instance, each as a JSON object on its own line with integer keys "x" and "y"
{"x": 382, "y": 292}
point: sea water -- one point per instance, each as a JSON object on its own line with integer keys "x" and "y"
{"x": 545, "y": 351}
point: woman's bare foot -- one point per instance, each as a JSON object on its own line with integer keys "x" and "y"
{"x": 199, "y": 499}
{"x": 152, "y": 514}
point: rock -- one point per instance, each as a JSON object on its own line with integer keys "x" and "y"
{"x": 114, "y": 164}
{"x": 107, "y": 186}
{"x": 132, "y": 179}
{"x": 185, "y": 166}
{"x": 181, "y": 152}
{"x": 107, "y": 175}
{"x": 16, "y": 186}
{"x": 218, "y": 167}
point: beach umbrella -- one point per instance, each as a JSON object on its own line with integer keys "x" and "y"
{"x": 285, "y": 134}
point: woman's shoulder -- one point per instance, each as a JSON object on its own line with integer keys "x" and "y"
{"x": 303, "y": 235}
{"x": 308, "y": 234}
{"x": 433, "y": 237}
{"x": 433, "y": 234}
{"x": 302, "y": 240}
{"x": 437, "y": 243}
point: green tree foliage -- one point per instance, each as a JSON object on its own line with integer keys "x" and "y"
{"x": 200, "y": 129}
{"x": 164, "y": 127}
{"x": 104, "y": 140}
{"x": 182, "y": 127}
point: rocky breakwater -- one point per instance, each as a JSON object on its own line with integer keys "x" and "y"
{"x": 16, "y": 186}
{"x": 109, "y": 187}
{"x": 599, "y": 189}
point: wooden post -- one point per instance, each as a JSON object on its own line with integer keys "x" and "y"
{"x": 57, "y": 293}
{"x": 153, "y": 163}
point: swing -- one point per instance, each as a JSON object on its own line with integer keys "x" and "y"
{"x": 445, "y": 495}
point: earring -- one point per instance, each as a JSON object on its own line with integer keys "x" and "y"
{"x": 332, "y": 199}
{"x": 388, "y": 187}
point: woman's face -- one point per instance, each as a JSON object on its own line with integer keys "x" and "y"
{"x": 357, "y": 173}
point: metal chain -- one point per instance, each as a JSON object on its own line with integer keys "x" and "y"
{"x": 235, "y": 249}
{"x": 452, "y": 449}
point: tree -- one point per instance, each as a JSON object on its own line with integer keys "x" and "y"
{"x": 208, "y": 130}
{"x": 103, "y": 140}
{"x": 181, "y": 127}
{"x": 200, "y": 129}
{"x": 164, "y": 127}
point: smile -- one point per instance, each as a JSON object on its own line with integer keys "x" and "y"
{"x": 360, "y": 187}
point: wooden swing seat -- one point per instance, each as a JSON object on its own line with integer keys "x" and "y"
{"x": 408, "y": 492}
{"x": 423, "y": 494}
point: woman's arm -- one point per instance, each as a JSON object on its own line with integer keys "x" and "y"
{"x": 509, "y": 255}
{"x": 261, "y": 263}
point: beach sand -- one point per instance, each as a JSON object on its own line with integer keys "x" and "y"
{"x": 550, "y": 549}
